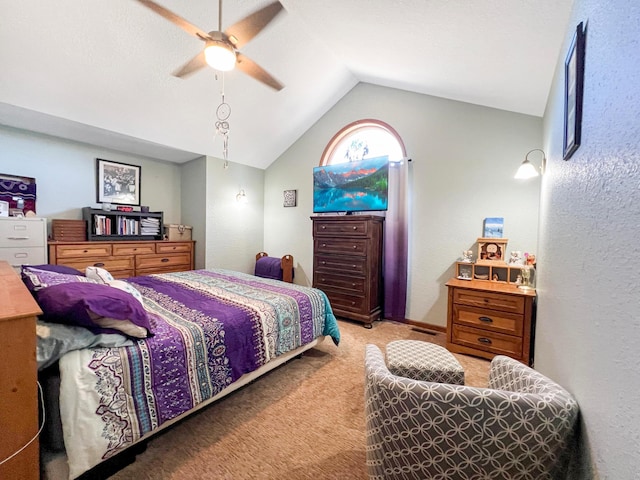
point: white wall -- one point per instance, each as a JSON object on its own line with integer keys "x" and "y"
{"x": 464, "y": 158}
{"x": 65, "y": 174}
{"x": 193, "y": 191}
{"x": 234, "y": 231}
{"x": 588, "y": 318}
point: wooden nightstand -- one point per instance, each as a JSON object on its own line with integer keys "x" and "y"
{"x": 487, "y": 318}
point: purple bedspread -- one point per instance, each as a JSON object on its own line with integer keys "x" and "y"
{"x": 211, "y": 327}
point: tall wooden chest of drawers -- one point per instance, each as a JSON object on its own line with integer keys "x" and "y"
{"x": 347, "y": 264}
{"x": 125, "y": 259}
{"x": 488, "y": 318}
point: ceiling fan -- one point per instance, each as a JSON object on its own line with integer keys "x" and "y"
{"x": 221, "y": 47}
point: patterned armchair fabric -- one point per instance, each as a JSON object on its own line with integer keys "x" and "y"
{"x": 519, "y": 428}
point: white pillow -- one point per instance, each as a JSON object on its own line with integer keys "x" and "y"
{"x": 127, "y": 287}
{"x": 125, "y": 326}
{"x": 102, "y": 275}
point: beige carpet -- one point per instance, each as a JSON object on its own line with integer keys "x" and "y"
{"x": 304, "y": 420}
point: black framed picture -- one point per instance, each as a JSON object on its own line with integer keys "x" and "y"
{"x": 117, "y": 183}
{"x": 573, "y": 93}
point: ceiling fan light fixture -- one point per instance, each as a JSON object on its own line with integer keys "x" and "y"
{"x": 220, "y": 55}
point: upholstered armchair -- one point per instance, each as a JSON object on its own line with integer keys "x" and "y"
{"x": 518, "y": 428}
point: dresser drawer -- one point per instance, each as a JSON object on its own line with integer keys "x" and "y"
{"x": 163, "y": 262}
{"x": 133, "y": 248}
{"x": 15, "y": 256}
{"x": 173, "y": 247}
{"x": 342, "y": 228}
{"x": 112, "y": 264}
{"x": 350, "y": 285}
{"x": 83, "y": 250}
{"x": 352, "y": 246}
{"x": 494, "y": 301}
{"x": 163, "y": 269}
{"x": 336, "y": 263}
{"x": 340, "y": 301}
{"x": 22, "y": 233}
{"x": 508, "y": 323}
{"x": 487, "y": 341}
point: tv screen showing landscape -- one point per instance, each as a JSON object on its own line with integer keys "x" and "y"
{"x": 351, "y": 186}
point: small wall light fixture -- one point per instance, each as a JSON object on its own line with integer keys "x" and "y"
{"x": 527, "y": 169}
{"x": 241, "y": 198}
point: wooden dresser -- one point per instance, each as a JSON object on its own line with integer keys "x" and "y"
{"x": 125, "y": 259}
{"x": 18, "y": 376}
{"x": 488, "y": 318}
{"x": 347, "y": 264}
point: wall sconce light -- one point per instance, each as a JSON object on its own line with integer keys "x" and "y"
{"x": 527, "y": 169}
{"x": 241, "y": 198}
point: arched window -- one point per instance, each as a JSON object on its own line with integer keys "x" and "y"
{"x": 364, "y": 139}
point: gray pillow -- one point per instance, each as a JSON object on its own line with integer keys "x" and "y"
{"x": 54, "y": 340}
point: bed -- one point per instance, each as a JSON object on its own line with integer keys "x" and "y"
{"x": 212, "y": 332}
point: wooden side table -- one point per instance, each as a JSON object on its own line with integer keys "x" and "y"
{"x": 487, "y": 318}
{"x": 18, "y": 377}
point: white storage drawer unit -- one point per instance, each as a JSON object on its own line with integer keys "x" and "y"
{"x": 23, "y": 241}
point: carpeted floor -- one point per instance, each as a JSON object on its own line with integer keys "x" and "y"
{"x": 304, "y": 420}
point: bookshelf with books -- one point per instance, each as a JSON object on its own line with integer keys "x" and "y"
{"x": 108, "y": 225}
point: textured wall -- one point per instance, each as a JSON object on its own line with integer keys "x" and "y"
{"x": 234, "y": 232}
{"x": 193, "y": 193}
{"x": 464, "y": 158}
{"x": 588, "y": 317}
{"x": 65, "y": 173}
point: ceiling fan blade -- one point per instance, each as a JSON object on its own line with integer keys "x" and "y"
{"x": 175, "y": 19}
{"x": 241, "y": 32}
{"x": 193, "y": 65}
{"x": 254, "y": 70}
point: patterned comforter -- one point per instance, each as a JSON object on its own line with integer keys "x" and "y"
{"x": 210, "y": 326}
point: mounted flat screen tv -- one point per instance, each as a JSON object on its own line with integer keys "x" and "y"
{"x": 352, "y": 186}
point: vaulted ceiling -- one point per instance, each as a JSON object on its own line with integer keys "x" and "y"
{"x": 99, "y": 71}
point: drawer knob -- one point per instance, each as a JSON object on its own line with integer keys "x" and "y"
{"x": 486, "y": 319}
{"x": 324, "y": 263}
{"x": 486, "y": 300}
{"x": 324, "y": 244}
{"x": 353, "y": 303}
{"x": 353, "y": 266}
{"x": 135, "y": 249}
{"x": 355, "y": 228}
{"x": 323, "y": 227}
{"x": 353, "y": 284}
{"x": 164, "y": 260}
{"x": 85, "y": 251}
{"x": 485, "y": 340}
{"x": 99, "y": 264}
{"x": 355, "y": 247}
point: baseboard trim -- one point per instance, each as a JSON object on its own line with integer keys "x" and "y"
{"x": 424, "y": 327}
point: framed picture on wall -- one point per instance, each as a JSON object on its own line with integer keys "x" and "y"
{"x": 117, "y": 183}
{"x": 290, "y": 198}
{"x": 573, "y": 93}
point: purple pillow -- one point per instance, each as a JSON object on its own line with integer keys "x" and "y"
{"x": 74, "y": 303}
{"x": 56, "y": 268}
{"x": 36, "y": 279}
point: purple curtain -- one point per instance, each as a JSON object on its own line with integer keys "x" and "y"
{"x": 396, "y": 243}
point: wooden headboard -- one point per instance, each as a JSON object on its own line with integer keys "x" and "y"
{"x": 286, "y": 263}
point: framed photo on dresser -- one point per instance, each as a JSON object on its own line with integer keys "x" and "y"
{"x": 117, "y": 183}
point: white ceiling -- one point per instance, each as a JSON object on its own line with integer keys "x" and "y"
{"x": 99, "y": 71}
